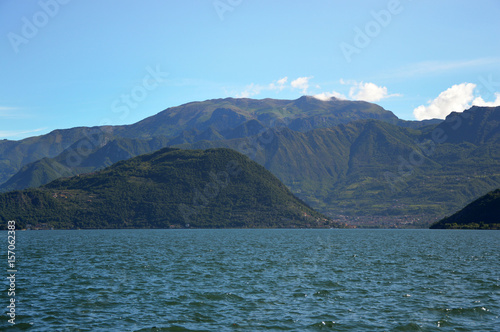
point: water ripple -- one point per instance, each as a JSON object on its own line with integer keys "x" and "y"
{"x": 258, "y": 280}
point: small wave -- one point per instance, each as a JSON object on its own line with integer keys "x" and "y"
{"x": 464, "y": 311}
{"x": 221, "y": 297}
{"x": 408, "y": 327}
{"x": 324, "y": 324}
{"x": 171, "y": 328}
{"x": 322, "y": 293}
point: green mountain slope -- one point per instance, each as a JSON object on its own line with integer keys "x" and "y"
{"x": 15, "y": 154}
{"x": 483, "y": 213}
{"x": 168, "y": 188}
{"x": 370, "y": 167}
{"x": 113, "y": 150}
{"x": 301, "y": 114}
{"x": 208, "y": 120}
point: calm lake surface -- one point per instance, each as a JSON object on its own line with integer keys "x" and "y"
{"x": 256, "y": 280}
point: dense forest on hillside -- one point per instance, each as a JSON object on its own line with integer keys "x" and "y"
{"x": 169, "y": 188}
{"x": 483, "y": 213}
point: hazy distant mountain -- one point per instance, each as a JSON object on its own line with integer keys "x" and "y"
{"x": 46, "y": 170}
{"x": 16, "y": 154}
{"x": 169, "y": 188}
{"x": 483, "y": 213}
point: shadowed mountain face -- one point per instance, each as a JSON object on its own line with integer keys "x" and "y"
{"x": 483, "y": 213}
{"x": 169, "y": 188}
{"x": 477, "y": 125}
{"x": 192, "y": 122}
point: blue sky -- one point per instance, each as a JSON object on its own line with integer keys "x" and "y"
{"x": 68, "y": 63}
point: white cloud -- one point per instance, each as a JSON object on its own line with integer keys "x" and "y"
{"x": 11, "y": 133}
{"x": 255, "y": 89}
{"x": 301, "y": 83}
{"x": 278, "y": 85}
{"x": 11, "y": 113}
{"x": 250, "y": 90}
{"x": 455, "y": 99}
{"x": 282, "y": 81}
{"x": 325, "y": 96}
{"x": 369, "y": 92}
{"x": 479, "y": 101}
{"x": 358, "y": 91}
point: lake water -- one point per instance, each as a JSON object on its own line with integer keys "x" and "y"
{"x": 256, "y": 280}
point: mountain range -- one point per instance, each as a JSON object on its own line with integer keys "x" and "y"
{"x": 208, "y": 120}
{"x": 369, "y": 167}
{"x": 348, "y": 159}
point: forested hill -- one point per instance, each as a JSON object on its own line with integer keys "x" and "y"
{"x": 168, "y": 188}
{"x": 483, "y": 213}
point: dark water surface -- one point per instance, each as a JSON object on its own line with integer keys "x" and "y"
{"x": 256, "y": 280}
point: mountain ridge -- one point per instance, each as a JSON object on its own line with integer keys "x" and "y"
{"x": 193, "y": 116}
